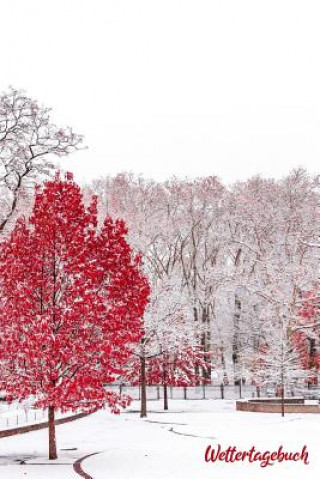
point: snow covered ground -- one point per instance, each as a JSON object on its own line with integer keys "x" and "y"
{"x": 166, "y": 445}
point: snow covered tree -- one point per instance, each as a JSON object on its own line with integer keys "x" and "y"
{"x": 28, "y": 142}
{"x": 306, "y": 336}
{"x": 72, "y": 301}
{"x": 276, "y": 364}
{"x": 169, "y": 353}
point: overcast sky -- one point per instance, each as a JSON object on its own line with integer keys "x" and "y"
{"x": 228, "y": 87}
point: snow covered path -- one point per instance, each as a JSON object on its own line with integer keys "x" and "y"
{"x": 165, "y": 445}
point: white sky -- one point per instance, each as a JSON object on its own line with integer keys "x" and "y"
{"x": 228, "y": 87}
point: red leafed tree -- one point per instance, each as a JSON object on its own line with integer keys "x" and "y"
{"x": 72, "y": 301}
{"x": 307, "y": 336}
{"x": 179, "y": 368}
{"x": 182, "y": 367}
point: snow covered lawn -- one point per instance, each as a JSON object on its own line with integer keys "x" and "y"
{"x": 17, "y": 414}
{"x": 166, "y": 445}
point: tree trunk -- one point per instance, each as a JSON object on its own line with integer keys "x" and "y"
{"x": 236, "y": 338}
{"x": 204, "y": 391}
{"x": 282, "y": 394}
{"x": 222, "y": 390}
{"x": 52, "y": 435}
{"x": 143, "y": 409}
{"x": 206, "y": 343}
{"x": 165, "y": 397}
